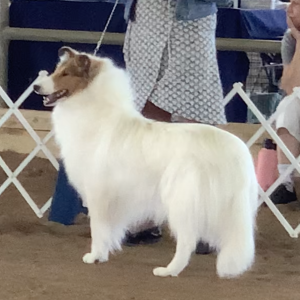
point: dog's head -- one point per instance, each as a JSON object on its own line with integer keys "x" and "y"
{"x": 73, "y": 74}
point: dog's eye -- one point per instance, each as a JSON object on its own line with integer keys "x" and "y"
{"x": 64, "y": 74}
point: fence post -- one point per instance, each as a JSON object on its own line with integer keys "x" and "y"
{"x": 4, "y": 22}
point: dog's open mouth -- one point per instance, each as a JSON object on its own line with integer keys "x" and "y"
{"x": 51, "y": 99}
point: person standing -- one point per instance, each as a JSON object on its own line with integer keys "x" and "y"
{"x": 170, "y": 53}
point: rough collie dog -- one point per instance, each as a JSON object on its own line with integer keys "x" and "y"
{"x": 129, "y": 169}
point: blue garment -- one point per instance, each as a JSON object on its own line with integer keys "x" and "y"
{"x": 186, "y": 10}
{"x": 66, "y": 203}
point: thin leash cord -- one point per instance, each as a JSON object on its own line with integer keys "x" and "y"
{"x": 105, "y": 28}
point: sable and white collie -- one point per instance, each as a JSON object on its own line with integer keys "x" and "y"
{"x": 129, "y": 169}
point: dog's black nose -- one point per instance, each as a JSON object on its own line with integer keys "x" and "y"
{"x": 36, "y": 88}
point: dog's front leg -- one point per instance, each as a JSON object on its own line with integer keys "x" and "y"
{"x": 100, "y": 234}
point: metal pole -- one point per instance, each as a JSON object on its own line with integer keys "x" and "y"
{"x": 4, "y": 17}
{"x": 245, "y": 45}
{"x": 57, "y": 35}
{"x": 91, "y": 37}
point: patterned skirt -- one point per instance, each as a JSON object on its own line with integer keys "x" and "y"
{"x": 173, "y": 63}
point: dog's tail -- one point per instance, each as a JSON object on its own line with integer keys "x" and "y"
{"x": 238, "y": 248}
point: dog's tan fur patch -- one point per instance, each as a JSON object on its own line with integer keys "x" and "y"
{"x": 75, "y": 71}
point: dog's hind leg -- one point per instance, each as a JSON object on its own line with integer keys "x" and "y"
{"x": 183, "y": 227}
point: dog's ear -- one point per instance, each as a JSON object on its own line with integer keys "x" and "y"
{"x": 83, "y": 62}
{"x": 65, "y": 53}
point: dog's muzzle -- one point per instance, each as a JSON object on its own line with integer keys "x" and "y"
{"x": 51, "y": 99}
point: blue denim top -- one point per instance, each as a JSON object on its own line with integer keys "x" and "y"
{"x": 185, "y": 9}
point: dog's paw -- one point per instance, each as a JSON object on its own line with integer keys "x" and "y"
{"x": 89, "y": 258}
{"x": 163, "y": 272}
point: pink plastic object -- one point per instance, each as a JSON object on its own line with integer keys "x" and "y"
{"x": 266, "y": 167}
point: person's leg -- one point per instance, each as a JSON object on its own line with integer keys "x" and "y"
{"x": 156, "y": 107}
{"x": 66, "y": 203}
{"x": 202, "y": 247}
{"x": 153, "y": 112}
{"x": 148, "y": 232}
{"x": 285, "y": 192}
{"x": 288, "y": 129}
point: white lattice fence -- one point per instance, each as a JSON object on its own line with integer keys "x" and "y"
{"x": 40, "y": 145}
{"x": 266, "y": 126}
